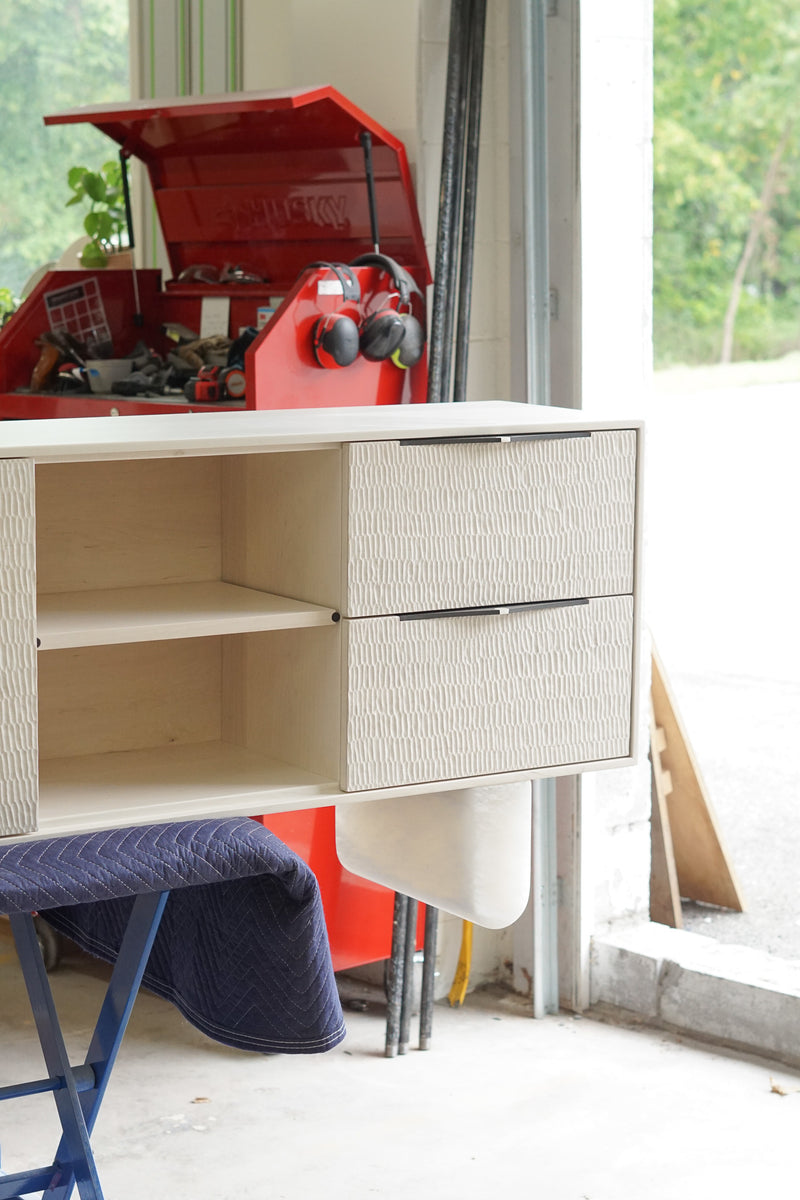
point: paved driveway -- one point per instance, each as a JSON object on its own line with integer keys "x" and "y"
{"x": 723, "y": 605}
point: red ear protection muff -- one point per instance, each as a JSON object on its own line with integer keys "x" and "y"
{"x": 381, "y": 334}
{"x": 412, "y": 346}
{"x": 334, "y": 340}
{"x": 389, "y": 333}
{"x": 335, "y": 336}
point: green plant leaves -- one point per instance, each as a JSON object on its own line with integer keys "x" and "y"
{"x": 7, "y": 304}
{"x": 93, "y": 256}
{"x": 74, "y": 179}
{"x": 99, "y": 226}
{"x": 95, "y": 186}
{"x": 105, "y": 221}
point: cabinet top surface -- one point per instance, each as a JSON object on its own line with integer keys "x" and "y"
{"x": 247, "y": 432}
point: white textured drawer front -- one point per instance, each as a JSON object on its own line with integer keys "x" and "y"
{"x": 470, "y": 524}
{"x": 450, "y": 697}
{"x": 18, "y": 743}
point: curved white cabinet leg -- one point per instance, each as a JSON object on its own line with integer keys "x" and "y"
{"x": 466, "y": 851}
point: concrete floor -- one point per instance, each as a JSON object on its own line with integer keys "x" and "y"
{"x": 562, "y": 1109}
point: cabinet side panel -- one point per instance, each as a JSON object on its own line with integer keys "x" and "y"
{"x": 127, "y": 524}
{"x": 465, "y": 525}
{"x": 18, "y": 757}
{"x": 282, "y": 524}
{"x": 452, "y": 697}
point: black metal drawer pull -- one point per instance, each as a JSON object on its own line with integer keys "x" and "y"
{"x": 501, "y": 610}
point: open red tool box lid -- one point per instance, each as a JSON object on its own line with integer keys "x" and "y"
{"x": 269, "y": 180}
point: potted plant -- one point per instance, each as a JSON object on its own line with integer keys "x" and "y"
{"x": 104, "y": 223}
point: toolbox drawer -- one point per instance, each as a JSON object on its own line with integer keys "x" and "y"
{"x": 470, "y": 523}
{"x": 454, "y": 696}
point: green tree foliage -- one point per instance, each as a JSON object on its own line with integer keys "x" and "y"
{"x": 54, "y": 55}
{"x": 6, "y": 302}
{"x": 726, "y": 80}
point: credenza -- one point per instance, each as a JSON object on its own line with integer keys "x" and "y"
{"x": 408, "y": 605}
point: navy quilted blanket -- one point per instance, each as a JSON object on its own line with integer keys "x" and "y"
{"x": 242, "y": 948}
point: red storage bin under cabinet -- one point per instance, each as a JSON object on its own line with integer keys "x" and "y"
{"x": 358, "y": 914}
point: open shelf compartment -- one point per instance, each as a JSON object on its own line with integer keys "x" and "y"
{"x": 189, "y": 652}
{"x": 207, "y": 724}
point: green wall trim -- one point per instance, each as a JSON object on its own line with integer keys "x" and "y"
{"x": 202, "y": 54}
{"x": 152, "y": 48}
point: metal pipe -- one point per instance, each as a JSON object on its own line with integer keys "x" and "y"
{"x": 394, "y": 975}
{"x": 534, "y": 200}
{"x": 536, "y": 937}
{"x": 366, "y": 143}
{"x": 450, "y": 192}
{"x": 475, "y": 92}
{"x": 544, "y": 891}
{"x": 428, "y": 977}
{"x": 408, "y": 975}
{"x": 138, "y": 319}
{"x": 83, "y": 1077}
{"x": 537, "y": 307}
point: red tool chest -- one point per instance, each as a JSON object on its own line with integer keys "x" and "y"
{"x": 270, "y": 182}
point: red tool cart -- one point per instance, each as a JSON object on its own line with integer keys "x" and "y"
{"x": 253, "y": 191}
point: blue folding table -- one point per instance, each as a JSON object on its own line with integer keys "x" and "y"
{"x": 217, "y": 916}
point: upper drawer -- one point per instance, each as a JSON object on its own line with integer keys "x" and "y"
{"x": 465, "y": 524}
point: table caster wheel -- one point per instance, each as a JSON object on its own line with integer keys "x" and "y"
{"x": 49, "y": 944}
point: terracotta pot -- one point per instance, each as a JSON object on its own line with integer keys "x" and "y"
{"x": 120, "y": 260}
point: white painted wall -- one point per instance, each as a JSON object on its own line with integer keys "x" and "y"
{"x": 367, "y": 51}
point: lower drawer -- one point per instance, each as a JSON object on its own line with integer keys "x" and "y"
{"x": 453, "y": 696}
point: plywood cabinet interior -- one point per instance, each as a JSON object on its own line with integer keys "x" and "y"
{"x": 264, "y": 611}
